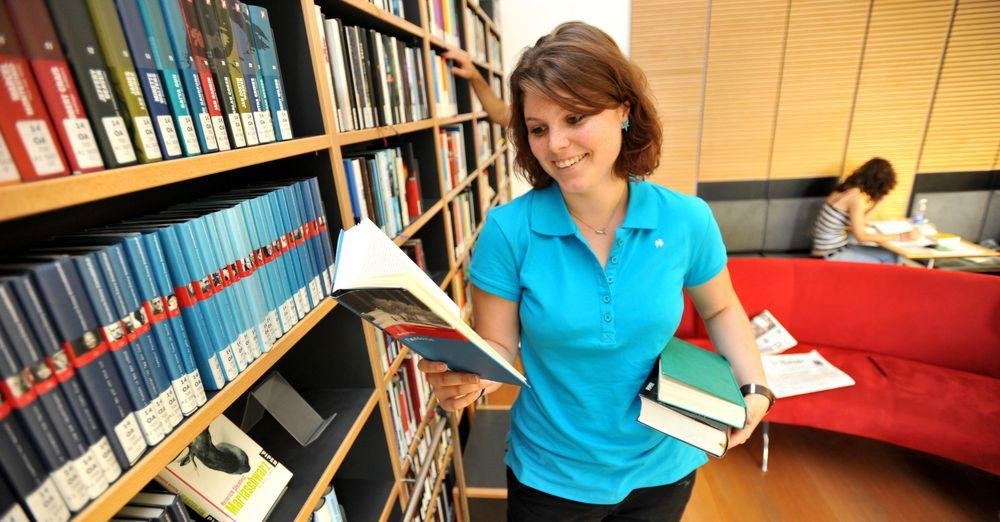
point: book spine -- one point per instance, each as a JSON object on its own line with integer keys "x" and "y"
{"x": 217, "y": 61}
{"x": 34, "y": 373}
{"x": 270, "y": 69}
{"x": 235, "y": 70}
{"x": 24, "y": 121}
{"x": 18, "y": 392}
{"x": 8, "y": 170}
{"x": 150, "y": 81}
{"x": 76, "y": 32}
{"x": 336, "y": 52}
{"x": 246, "y": 280}
{"x": 193, "y": 320}
{"x": 294, "y": 262}
{"x": 113, "y": 333}
{"x": 62, "y": 291}
{"x": 174, "y": 323}
{"x": 155, "y": 309}
{"x": 176, "y": 32}
{"x": 259, "y": 274}
{"x": 41, "y": 46}
{"x": 199, "y": 59}
{"x": 251, "y": 74}
{"x": 282, "y": 269}
{"x": 215, "y": 237}
{"x": 22, "y": 468}
{"x": 305, "y": 245}
{"x": 10, "y": 510}
{"x": 128, "y": 306}
{"x": 274, "y": 290}
{"x": 169, "y": 75}
{"x": 220, "y": 329}
{"x": 318, "y": 232}
{"x": 127, "y": 86}
{"x": 49, "y": 352}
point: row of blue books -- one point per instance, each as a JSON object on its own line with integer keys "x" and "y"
{"x": 110, "y": 337}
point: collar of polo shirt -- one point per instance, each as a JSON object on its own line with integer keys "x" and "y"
{"x": 550, "y": 216}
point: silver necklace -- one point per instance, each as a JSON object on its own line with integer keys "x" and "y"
{"x": 604, "y": 230}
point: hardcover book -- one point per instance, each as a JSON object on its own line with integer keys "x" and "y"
{"x": 376, "y": 280}
{"x": 698, "y": 431}
{"x": 251, "y": 74}
{"x": 41, "y": 46}
{"x": 127, "y": 86}
{"x": 267, "y": 56}
{"x": 700, "y": 382}
{"x": 199, "y": 58}
{"x": 86, "y": 59}
{"x": 228, "y": 50}
{"x": 217, "y": 58}
{"x": 24, "y": 122}
{"x": 225, "y": 475}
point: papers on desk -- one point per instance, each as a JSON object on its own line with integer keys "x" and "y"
{"x": 800, "y": 373}
{"x": 892, "y": 226}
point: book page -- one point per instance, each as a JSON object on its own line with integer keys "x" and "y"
{"x": 800, "y": 373}
{"x": 892, "y": 226}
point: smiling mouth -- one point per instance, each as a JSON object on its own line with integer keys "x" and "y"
{"x": 566, "y": 163}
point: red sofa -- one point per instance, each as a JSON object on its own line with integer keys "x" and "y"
{"x": 935, "y": 335}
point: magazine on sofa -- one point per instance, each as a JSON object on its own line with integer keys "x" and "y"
{"x": 377, "y": 281}
{"x": 800, "y": 373}
{"x": 770, "y": 335}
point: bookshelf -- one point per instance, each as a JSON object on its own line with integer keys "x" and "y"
{"x": 330, "y": 355}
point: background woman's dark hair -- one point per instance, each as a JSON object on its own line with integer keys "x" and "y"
{"x": 580, "y": 67}
{"x": 875, "y": 178}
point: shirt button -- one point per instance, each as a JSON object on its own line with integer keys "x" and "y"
{"x": 606, "y": 299}
{"x": 614, "y": 260}
{"x": 621, "y": 241}
{"x": 611, "y": 279}
{"x": 607, "y": 318}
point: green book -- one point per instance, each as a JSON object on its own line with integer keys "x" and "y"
{"x": 700, "y": 382}
{"x": 125, "y": 80}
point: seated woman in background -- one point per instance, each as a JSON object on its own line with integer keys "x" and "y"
{"x": 845, "y": 210}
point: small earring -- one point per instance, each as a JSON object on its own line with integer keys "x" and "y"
{"x": 625, "y": 126}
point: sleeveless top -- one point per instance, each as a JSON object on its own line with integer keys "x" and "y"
{"x": 830, "y": 230}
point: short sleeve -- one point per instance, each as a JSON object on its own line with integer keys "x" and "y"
{"x": 708, "y": 254}
{"x": 494, "y": 265}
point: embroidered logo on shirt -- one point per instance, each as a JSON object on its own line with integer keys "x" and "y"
{"x": 658, "y": 243}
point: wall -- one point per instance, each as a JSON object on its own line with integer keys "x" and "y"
{"x": 524, "y": 21}
{"x": 760, "y": 90}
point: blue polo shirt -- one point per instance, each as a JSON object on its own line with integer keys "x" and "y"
{"x": 590, "y": 335}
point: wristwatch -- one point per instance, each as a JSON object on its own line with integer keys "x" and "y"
{"x": 759, "y": 389}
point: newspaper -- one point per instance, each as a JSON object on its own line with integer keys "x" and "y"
{"x": 771, "y": 336}
{"x": 800, "y": 373}
{"x": 892, "y": 226}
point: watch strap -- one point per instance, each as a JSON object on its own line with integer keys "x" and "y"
{"x": 759, "y": 389}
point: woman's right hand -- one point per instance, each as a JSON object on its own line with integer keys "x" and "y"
{"x": 462, "y": 65}
{"x": 454, "y": 390}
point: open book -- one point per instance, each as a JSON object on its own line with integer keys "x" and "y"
{"x": 771, "y": 336}
{"x": 377, "y": 281}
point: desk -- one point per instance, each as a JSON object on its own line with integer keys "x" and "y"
{"x": 911, "y": 251}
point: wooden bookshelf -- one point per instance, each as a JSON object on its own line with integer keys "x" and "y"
{"x": 317, "y": 151}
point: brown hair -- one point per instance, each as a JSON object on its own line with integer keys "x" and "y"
{"x": 580, "y": 67}
{"x": 875, "y": 178}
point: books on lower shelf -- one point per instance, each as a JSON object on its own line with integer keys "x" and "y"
{"x": 377, "y": 281}
{"x": 692, "y": 395}
{"x": 800, "y": 373}
{"x": 770, "y": 335}
{"x": 225, "y": 475}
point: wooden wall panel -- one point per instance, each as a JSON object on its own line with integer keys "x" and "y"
{"x": 900, "y": 65}
{"x": 744, "y": 60}
{"x": 822, "y": 56}
{"x": 964, "y": 127}
{"x": 668, "y": 41}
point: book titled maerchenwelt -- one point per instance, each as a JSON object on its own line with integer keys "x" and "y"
{"x": 377, "y": 281}
{"x": 224, "y": 475}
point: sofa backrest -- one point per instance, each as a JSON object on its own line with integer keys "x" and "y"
{"x": 949, "y": 319}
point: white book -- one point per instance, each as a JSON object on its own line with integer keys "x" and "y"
{"x": 770, "y": 335}
{"x": 801, "y": 373}
{"x": 225, "y": 475}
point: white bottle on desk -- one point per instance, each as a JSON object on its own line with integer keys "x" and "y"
{"x": 920, "y": 221}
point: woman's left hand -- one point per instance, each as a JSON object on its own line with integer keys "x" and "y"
{"x": 756, "y": 408}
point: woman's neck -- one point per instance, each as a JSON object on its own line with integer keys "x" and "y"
{"x": 600, "y": 204}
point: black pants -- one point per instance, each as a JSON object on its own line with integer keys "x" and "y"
{"x": 659, "y": 503}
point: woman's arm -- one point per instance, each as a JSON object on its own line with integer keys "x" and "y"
{"x": 463, "y": 67}
{"x": 497, "y": 322}
{"x": 731, "y": 334}
{"x": 857, "y": 209}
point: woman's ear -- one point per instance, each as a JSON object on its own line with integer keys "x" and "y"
{"x": 624, "y": 111}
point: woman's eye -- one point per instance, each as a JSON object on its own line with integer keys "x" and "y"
{"x": 576, "y": 118}
{"x": 537, "y": 131}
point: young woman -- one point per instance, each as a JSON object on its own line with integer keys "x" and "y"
{"x": 845, "y": 210}
{"x": 583, "y": 278}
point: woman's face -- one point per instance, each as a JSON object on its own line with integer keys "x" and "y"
{"x": 578, "y": 150}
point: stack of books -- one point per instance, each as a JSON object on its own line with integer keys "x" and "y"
{"x": 95, "y": 84}
{"x": 692, "y": 395}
